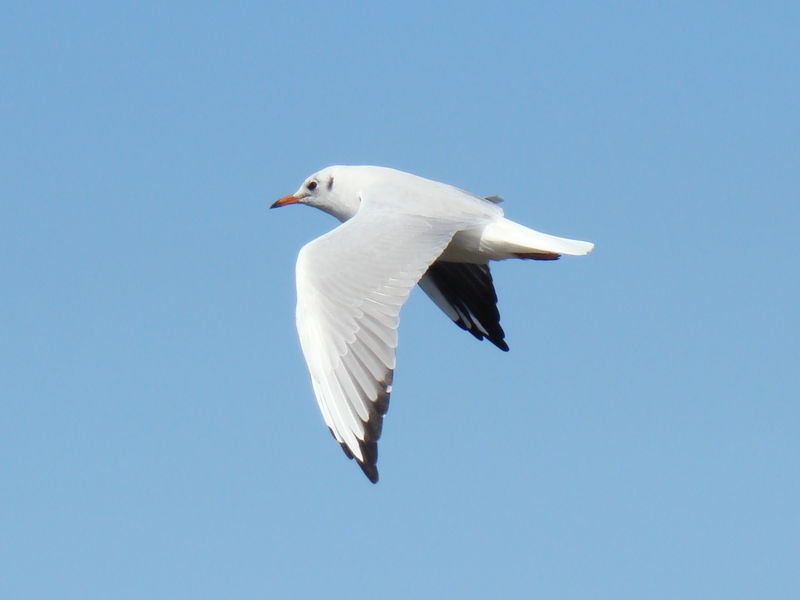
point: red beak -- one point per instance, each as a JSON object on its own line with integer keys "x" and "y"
{"x": 286, "y": 200}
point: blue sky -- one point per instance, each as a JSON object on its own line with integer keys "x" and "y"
{"x": 158, "y": 433}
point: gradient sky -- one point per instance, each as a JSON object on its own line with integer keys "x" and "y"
{"x": 158, "y": 432}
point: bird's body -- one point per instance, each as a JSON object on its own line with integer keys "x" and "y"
{"x": 397, "y": 230}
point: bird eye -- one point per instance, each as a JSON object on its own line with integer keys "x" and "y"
{"x": 312, "y": 185}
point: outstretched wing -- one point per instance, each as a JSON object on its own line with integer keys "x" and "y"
{"x": 466, "y": 294}
{"x": 351, "y": 285}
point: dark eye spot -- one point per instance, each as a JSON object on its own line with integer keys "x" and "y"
{"x": 312, "y": 185}
{"x": 330, "y": 182}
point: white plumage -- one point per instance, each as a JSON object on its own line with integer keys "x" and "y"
{"x": 398, "y": 230}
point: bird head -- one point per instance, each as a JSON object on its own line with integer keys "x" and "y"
{"x": 333, "y": 190}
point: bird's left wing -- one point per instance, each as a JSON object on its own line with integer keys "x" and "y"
{"x": 351, "y": 285}
{"x": 465, "y": 293}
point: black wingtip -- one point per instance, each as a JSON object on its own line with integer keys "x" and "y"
{"x": 369, "y": 450}
{"x": 370, "y": 467}
{"x": 371, "y": 471}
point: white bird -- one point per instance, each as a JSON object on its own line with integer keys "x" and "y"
{"x": 397, "y": 230}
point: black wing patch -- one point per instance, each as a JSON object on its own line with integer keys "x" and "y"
{"x": 465, "y": 293}
{"x": 373, "y": 427}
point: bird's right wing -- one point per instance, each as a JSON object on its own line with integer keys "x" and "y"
{"x": 351, "y": 285}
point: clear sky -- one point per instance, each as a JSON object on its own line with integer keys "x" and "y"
{"x": 158, "y": 433}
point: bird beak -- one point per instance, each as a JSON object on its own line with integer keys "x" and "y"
{"x": 286, "y": 200}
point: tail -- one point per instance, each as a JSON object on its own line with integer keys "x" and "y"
{"x": 507, "y": 239}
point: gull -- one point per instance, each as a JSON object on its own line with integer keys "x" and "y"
{"x": 398, "y": 230}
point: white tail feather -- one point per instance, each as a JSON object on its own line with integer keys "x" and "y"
{"x": 507, "y": 239}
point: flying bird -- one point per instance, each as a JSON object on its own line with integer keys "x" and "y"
{"x": 397, "y": 230}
